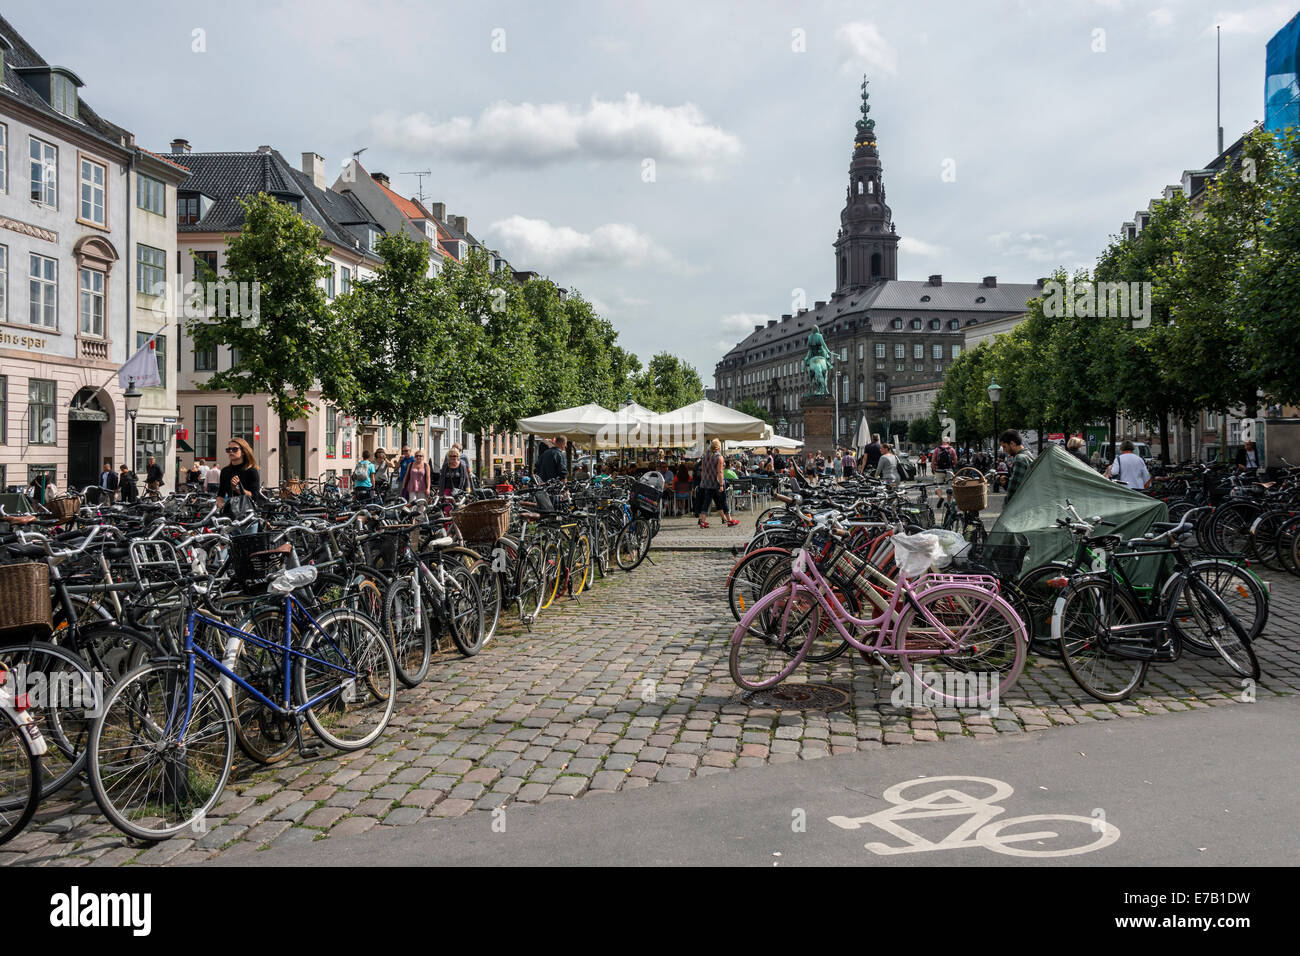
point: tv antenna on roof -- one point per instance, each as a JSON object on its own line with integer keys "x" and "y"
{"x": 419, "y": 176}
{"x": 357, "y": 155}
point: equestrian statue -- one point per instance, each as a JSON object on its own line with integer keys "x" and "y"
{"x": 818, "y": 363}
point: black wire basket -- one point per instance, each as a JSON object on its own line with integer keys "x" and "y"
{"x": 252, "y": 562}
{"x": 1002, "y": 552}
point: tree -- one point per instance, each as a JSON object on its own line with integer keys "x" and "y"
{"x": 411, "y": 356}
{"x": 754, "y": 410}
{"x": 294, "y": 342}
{"x": 667, "y": 383}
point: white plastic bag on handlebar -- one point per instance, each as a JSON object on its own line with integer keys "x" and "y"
{"x": 917, "y": 553}
{"x": 951, "y": 542}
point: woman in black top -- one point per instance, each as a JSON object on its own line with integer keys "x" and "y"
{"x": 455, "y": 474}
{"x": 239, "y": 478}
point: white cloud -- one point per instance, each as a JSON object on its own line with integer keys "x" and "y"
{"x": 742, "y": 323}
{"x": 1257, "y": 20}
{"x": 1161, "y": 18}
{"x": 537, "y": 244}
{"x": 863, "y": 48}
{"x": 532, "y": 134}
{"x": 919, "y": 247}
{"x": 1030, "y": 246}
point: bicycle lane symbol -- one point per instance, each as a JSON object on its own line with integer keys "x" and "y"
{"x": 938, "y": 798}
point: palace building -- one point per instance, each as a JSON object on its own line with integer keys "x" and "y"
{"x": 886, "y": 333}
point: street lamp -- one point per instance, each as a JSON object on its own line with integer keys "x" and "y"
{"x": 995, "y": 395}
{"x": 131, "y": 398}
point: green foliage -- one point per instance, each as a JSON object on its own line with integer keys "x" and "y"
{"x": 667, "y": 383}
{"x": 754, "y": 410}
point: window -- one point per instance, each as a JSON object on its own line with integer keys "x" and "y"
{"x": 880, "y": 391}
{"x": 844, "y": 389}
{"x": 925, "y": 298}
{"x": 42, "y": 427}
{"x": 150, "y": 269}
{"x": 861, "y": 351}
{"x": 862, "y": 390}
{"x": 936, "y": 351}
{"x": 916, "y": 325}
{"x": 241, "y": 422}
{"x": 899, "y": 367}
{"x": 4, "y": 171}
{"x": 205, "y": 360}
{"x": 918, "y": 350}
{"x": 160, "y": 348}
{"x": 934, "y": 325}
{"x": 205, "y": 266}
{"x": 149, "y": 440}
{"x": 150, "y": 195}
{"x": 844, "y": 354}
{"x": 93, "y": 177}
{"x": 374, "y": 241}
{"x": 900, "y": 350}
{"x": 43, "y": 291}
{"x": 4, "y": 415}
{"x": 4, "y": 285}
{"x": 329, "y": 283}
{"x": 205, "y": 431}
{"x": 938, "y": 366}
{"x": 35, "y": 471}
{"x": 187, "y": 210}
{"x": 92, "y": 302}
{"x": 345, "y": 280}
{"x": 63, "y": 95}
{"x": 331, "y": 430}
{"x": 956, "y": 351}
{"x": 44, "y": 172}
{"x": 896, "y": 324}
{"x": 919, "y": 367}
{"x": 880, "y": 350}
{"x": 953, "y": 325}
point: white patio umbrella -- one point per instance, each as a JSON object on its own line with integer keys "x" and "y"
{"x": 776, "y": 441}
{"x": 700, "y": 420}
{"x": 627, "y": 427}
{"x": 863, "y": 438}
{"x": 583, "y": 423}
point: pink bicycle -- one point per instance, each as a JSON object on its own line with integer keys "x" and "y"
{"x": 959, "y": 643}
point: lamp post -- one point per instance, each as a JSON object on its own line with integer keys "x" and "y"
{"x": 995, "y": 395}
{"x": 131, "y": 398}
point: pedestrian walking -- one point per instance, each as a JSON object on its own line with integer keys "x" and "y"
{"x": 552, "y": 464}
{"x": 192, "y": 477}
{"x": 419, "y": 479}
{"x": 455, "y": 473}
{"x": 1129, "y": 468}
{"x": 1247, "y": 457}
{"x": 383, "y": 476}
{"x": 712, "y": 486}
{"x": 126, "y": 484}
{"x": 153, "y": 475}
{"x": 363, "y": 478}
{"x": 850, "y": 464}
{"x": 1075, "y": 447}
{"x": 240, "y": 482}
{"x": 108, "y": 482}
{"x": 1021, "y": 459}
{"x": 887, "y": 466}
{"x": 404, "y": 463}
{"x": 211, "y": 475}
{"x": 873, "y": 454}
{"x": 944, "y": 459}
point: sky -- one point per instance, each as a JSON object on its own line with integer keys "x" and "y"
{"x": 683, "y": 164}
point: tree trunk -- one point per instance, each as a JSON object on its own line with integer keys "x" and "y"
{"x": 478, "y": 454}
{"x": 284, "y": 449}
{"x": 1164, "y": 438}
{"x": 1114, "y": 437}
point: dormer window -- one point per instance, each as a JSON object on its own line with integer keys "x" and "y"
{"x": 896, "y": 324}
{"x": 373, "y": 240}
{"x": 916, "y": 325}
{"x": 953, "y": 325}
{"x": 188, "y": 209}
{"x": 979, "y": 298}
{"x": 63, "y": 94}
{"x": 934, "y": 325}
{"x": 925, "y": 298}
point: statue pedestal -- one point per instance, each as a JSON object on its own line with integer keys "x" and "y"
{"x": 818, "y": 425}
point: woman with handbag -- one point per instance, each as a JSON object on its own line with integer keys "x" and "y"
{"x": 713, "y": 486}
{"x": 240, "y": 480}
{"x": 418, "y": 478}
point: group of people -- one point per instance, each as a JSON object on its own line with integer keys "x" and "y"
{"x": 411, "y": 475}
{"x": 124, "y": 483}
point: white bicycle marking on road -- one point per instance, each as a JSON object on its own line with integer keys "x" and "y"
{"x": 944, "y": 800}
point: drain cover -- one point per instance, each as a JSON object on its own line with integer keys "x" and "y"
{"x": 801, "y": 697}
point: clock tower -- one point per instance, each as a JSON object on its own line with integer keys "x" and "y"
{"x": 866, "y": 249}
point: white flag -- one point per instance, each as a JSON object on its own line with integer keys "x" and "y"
{"x": 142, "y": 367}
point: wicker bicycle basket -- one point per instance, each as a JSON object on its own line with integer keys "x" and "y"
{"x": 970, "y": 490}
{"x": 484, "y": 520}
{"x": 25, "y": 598}
{"x": 63, "y": 507}
{"x": 291, "y": 488}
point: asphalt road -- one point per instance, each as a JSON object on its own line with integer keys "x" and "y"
{"x": 1212, "y": 787}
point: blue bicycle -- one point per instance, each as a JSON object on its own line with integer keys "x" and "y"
{"x": 162, "y": 749}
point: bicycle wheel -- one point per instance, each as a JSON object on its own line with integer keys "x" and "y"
{"x": 149, "y": 780}
{"x": 1212, "y": 622}
{"x": 20, "y": 778}
{"x": 1230, "y": 526}
{"x": 745, "y": 583}
{"x": 991, "y": 644}
{"x": 1081, "y": 622}
{"x": 761, "y": 660}
{"x": 264, "y": 734}
{"x": 633, "y": 544}
{"x": 530, "y": 581}
{"x": 1039, "y": 588}
{"x": 1242, "y": 593}
{"x": 1288, "y": 550}
{"x": 411, "y": 641}
{"x": 65, "y": 699}
{"x": 827, "y": 643}
{"x": 1263, "y": 537}
{"x": 463, "y": 608}
{"x": 579, "y": 564}
{"x": 350, "y": 675}
{"x": 552, "y": 572}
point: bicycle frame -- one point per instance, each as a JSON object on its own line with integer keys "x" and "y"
{"x": 293, "y": 608}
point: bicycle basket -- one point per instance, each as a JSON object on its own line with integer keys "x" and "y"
{"x": 1003, "y": 553}
{"x": 484, "y": 520}
{"x": 645, "y": 497}
{"x": 26, "y": 603}
{"x": 252, "y": 561}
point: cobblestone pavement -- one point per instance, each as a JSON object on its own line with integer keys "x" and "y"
{"x": 626, "y": 688}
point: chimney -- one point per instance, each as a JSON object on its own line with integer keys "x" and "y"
{"x": 820, "y": 304}
{"x": 936, "y": 280}
{"x": 460, "y": 224}
{"x": 758, "y": 328}
{"x": 264, "y": 149}
{"x": 381, "y": 178}
{"x": 313, "y": 164}
{"x": 990, "y": 282}
{"x": 771, "y": 322}
{"x": 180, "y": 146}
{"x": 439, "y": 210}
{"x": 786, "y": 317}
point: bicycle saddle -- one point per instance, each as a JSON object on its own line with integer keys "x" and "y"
{"x": 293, "y": 578}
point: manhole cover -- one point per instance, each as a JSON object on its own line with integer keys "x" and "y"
{"x": 801, "y": 697}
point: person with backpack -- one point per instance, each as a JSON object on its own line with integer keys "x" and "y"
{"x": 362, "y": 478}
{"x": 944, "y": 460}
{"x": 712, "y": 486}
{"x": 551, "y": 465}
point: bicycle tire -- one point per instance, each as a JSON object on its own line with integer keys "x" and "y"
{"x": 20, "y": 778}
{"x": 464, "y": 611}
{"x": 1230, "y": 527}
{"x": 784, "y": 647}
{"x": 529, "y": 584}
{"x": 1039, "y": 599}
{"x": 552, "y": 570}
{"x": 1242, "y": 592}
{"x": 745, "y": 582}
{"x": 411, "y": 643}
{"x": 1221, "y": 628}
{"x": 66, "y": 704}
{"x": 1085, "y": 610}
{"x": 579, "y": 562}
{"x": 633, "y": 544}
{"x": 140, "y": 717}
{"x": 827, "y": 643}
{"x": 263, "y": 734}
{"x": 347, "y": 641}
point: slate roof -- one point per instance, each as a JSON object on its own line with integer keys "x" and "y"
{"x": 225, "y": 178}
{"x": 88, "y": 122}
{"x": 895, "y": 297}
